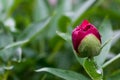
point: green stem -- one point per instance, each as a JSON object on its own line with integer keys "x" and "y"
{"x": 7, "y": 72}
{"x": 111, "y": 61}
{"x": 5, "y": 76}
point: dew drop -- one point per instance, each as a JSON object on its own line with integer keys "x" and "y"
{"x": 99, "y": 71}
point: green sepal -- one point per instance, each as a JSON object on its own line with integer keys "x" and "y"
{"x": 89, "y": 47}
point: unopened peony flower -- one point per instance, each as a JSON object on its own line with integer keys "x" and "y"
{"x": 86, "y": 40}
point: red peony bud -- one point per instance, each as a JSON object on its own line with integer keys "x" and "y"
{"x": 86, "y": 40}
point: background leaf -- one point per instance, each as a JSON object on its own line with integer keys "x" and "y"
{"x": 112, "y": 66}
{"x": 84, "y": 7}
{"x": 28, "y": 38}
{"x": 114, "y": 76}
{"x": 67, "y": 37}
{"x": 105, "y": 31}
{"x": 40, "y": 10}
{"x": 65, "y": 74}
{"x": 34, "y": 29}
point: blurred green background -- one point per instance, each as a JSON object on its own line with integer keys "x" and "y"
{"x": 28, "y": 39}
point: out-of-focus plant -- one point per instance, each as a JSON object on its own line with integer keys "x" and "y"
{"x": 37, "y": 34}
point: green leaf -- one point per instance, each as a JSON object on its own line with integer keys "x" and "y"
{"x": 6, "y": 54}
{"x": 114, "y": 76}
{"x": 106, "y": 32}
{"x": 5, "y": 7}
{"x": 65, "y": 74}
{"x": 109, "y": 40}
{"x": 112, "y": 65}
{"x": 7, "y": 46}
{"x": 84, "y": 7}
{"x": 33, "y": 30}
{"x": 5, "y": 39}
{"x": 63, "y": 23}
{"x": 7, "y": 4}
{"x": 57, "y": 47}
{"x": 106, "y": 43}
{"x": 92, "y": 69}
{"x": 5, "y": 36}
{"x": 64, "y": 6}
{"x": 12, "y": 50}
{"x": 16, "y": 52}
{"x": 40, "y": 10}
{"x": 18, "y": 43}
{"x": 65, "y": 36}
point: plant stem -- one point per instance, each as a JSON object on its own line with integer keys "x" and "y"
{"x": 111, "y": 61}
{"x": 5, "y": 76}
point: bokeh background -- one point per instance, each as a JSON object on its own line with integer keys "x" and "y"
{"x": 28, "y": 38}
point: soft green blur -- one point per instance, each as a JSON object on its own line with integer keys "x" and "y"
{"x": 28, "y": 39}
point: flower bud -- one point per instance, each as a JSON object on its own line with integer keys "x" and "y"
{"x": 86, "y": 40}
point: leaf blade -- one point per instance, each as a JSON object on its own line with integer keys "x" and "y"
{"x": 67, "y": 38}
{"x": 106, "y": 31}
{"x": 65, "y": 74}
{"x": 82, "y": 9}
{"x": 34, "y": 29}
{"x": 91, "y": 68}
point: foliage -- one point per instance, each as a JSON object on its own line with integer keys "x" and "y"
{"x": 35, "y": 38}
